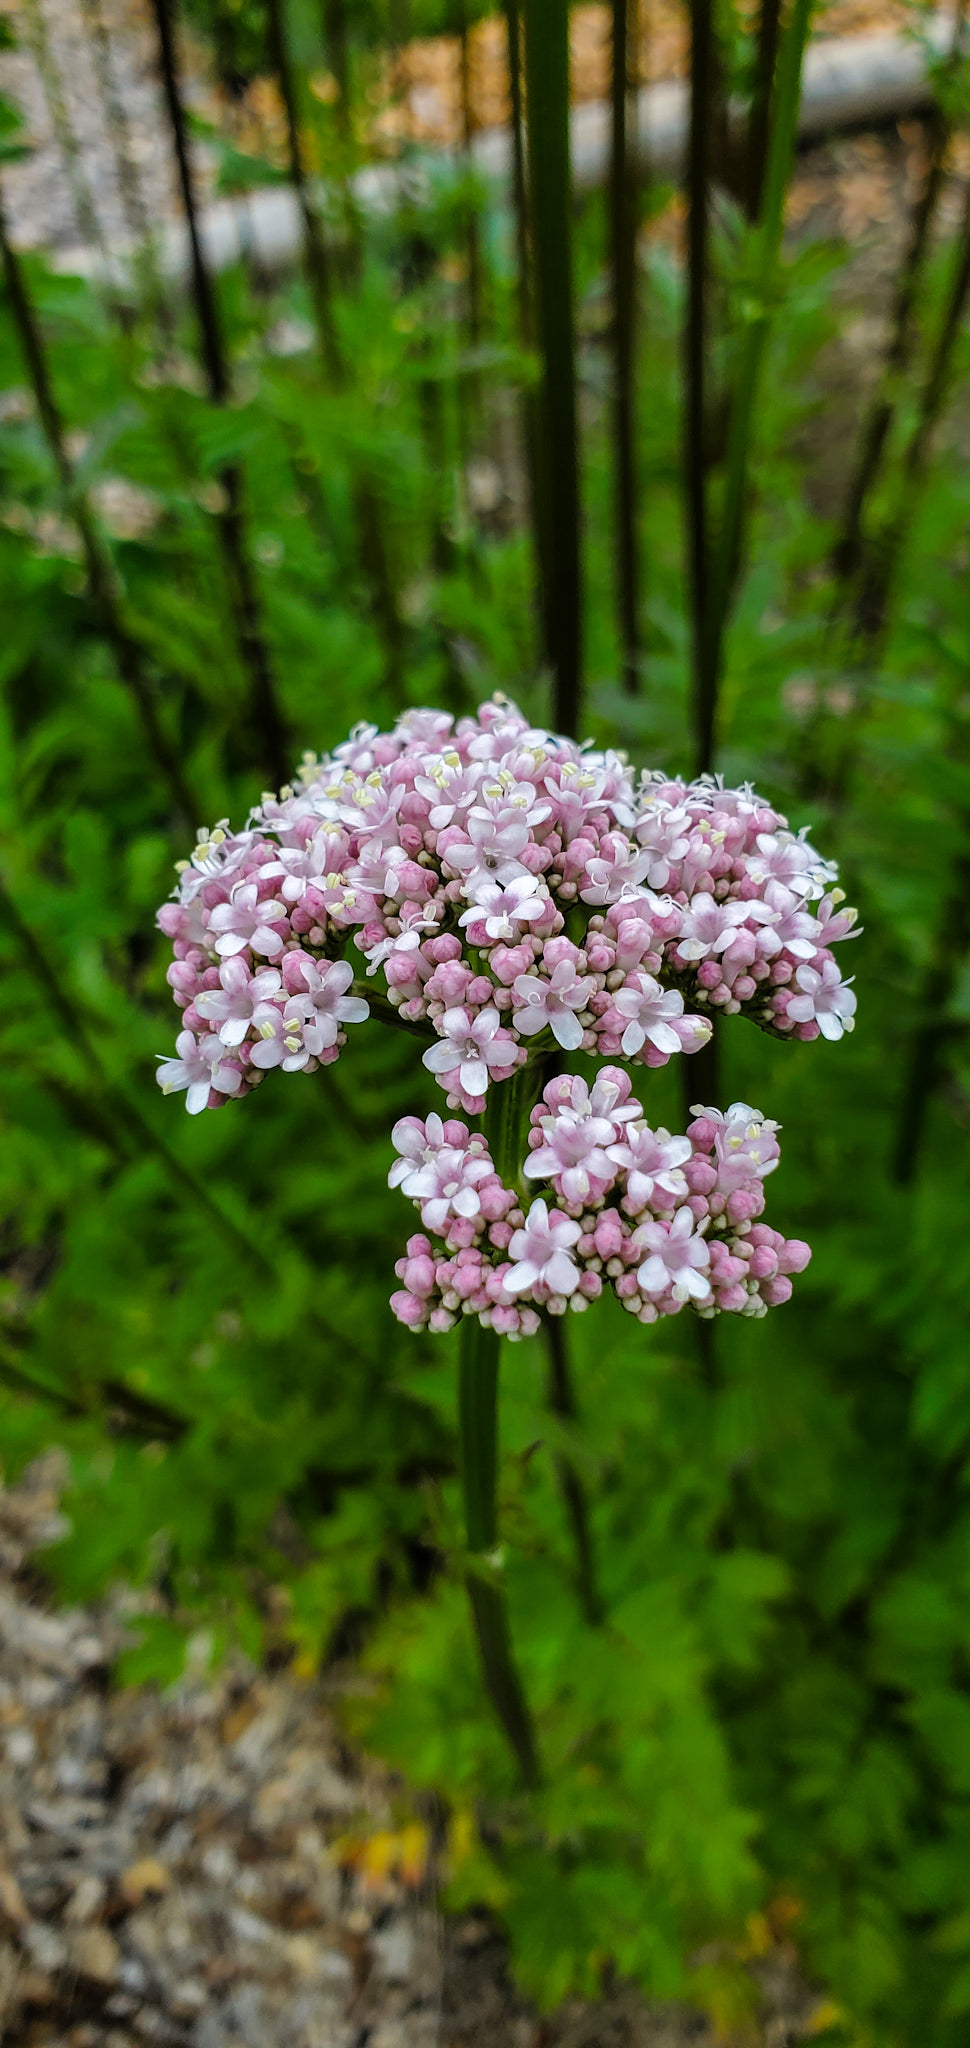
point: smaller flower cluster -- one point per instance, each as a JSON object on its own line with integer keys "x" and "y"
{"x": 665, "y": 1221}
{"x": 241, "y": 1020}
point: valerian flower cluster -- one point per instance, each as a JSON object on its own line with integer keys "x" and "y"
{"x": 518, "y": 896}
{"x": 663, "y": 1220}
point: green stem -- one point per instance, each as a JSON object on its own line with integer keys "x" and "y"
{"x": 695, "y": 350}
{"x": 727, "y": 555}
{"x": 623, "y": 229}
{"x": 478, "y": 1441}
{"x": 547, "y": 92}
{"x": 847, "y": 555}
{"x": 478, "y": 1434}
{"x": 538, "y": 504}
{"x": 270, "y": 732}
{"x": 102, "y": 581}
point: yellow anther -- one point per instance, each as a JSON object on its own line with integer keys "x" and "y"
{"x": 266, "y": 1029}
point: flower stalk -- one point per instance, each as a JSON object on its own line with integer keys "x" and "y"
{"x": 478, "y": 1371}
{"x": 727, "y": 554}
{"x": 547, "y": 96}
{"x": 267, "y": 717}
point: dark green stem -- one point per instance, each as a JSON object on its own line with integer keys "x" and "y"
{"x": 623, "y": 250}
{"x": 478, "y": 1436}
{"x": 269, "y": 725}
{"x": 478, "y": 1442}
{"x": 101, "y": 578}
{"x": 764, "y": 73}
{"x": 848, "y": 552}
{"x": 547, "y": 89}
{"x": 695, "y": 368}
{"x": 538, "y": 501}
{"x": 873, "y": 601}
{"x": 724, "y": 567}
{"x": 316, "y": 257}
{"x": 934, "y": 1028}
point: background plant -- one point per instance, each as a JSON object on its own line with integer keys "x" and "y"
{"x": 198, "y": 1309}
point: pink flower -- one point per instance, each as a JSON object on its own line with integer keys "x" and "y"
{"x": 573, "y": 1153}
{"x": 279, "y": 1041}
{"x": 500, "y": 910}
{"x": 652, "y": 1161}
{"x": 319, "y": 1003}
{"x": 783, "y": 858}
{"x": 245, "y": 921}
{"x": 447, "y": 1186}
{"x": 552, "y": 1003}
{"x": 416, "y": 1142}
{"x": 678, "y": 1262}
{"x": 618, "y": 869}
{"x": 230, "y": 1007}
{"x": 745, "y": 1148}
{"x": 470, "y": 1050}
{"x": 541, "y": 1253}
{"x": 199, "y": 1067}
{"x": 708, "y": 927}
{"x": 649, "y": 1009}
{"x": 824, "y": 999}
{"x": 661, "y": 831}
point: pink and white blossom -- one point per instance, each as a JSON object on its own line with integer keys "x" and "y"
{"x": 246, "y": 921}
{"x": 540, "y": 1253}
{"x": 200, "y": 1066}
{"x": 678, "y": 1259}
{"x": 650, "y": 1010}
{"x": 230, "y": 1007}
{"x": 471, "y": 1050}
{"x": 552, "y": 1004}
{"x": 823, "y": 998}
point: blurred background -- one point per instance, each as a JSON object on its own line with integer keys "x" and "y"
{"x": 327, "y": 388}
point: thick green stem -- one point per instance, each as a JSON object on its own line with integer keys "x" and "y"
{"x": 478, "y": 1433}
{"x": 478, "y": 1442}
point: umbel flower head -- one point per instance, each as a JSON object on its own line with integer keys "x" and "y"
{"x": 514, "y": 892}
{"x": 520, "y": 897}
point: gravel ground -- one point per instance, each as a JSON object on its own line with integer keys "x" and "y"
{"x": 73, "y": 187}
{"x": 100, "y": 167}
{"x": 208, "y": 1867}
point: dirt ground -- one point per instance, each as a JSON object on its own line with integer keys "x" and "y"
{"x": 100, "y": 161}
{"x": 210, "y": 1867}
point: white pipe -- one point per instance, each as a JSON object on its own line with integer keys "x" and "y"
{"x": 845, "y": 81}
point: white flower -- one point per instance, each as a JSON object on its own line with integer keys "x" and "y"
{"x": 541, "y": 1253}
{"x": 650, "y": 1009}
{"x": 500, "y": 910}
{"x": 199, "y": 1067}
{"x": 679, "y": 1259}
{"x": 824, "y": 998}
{"x": 469, "y": 1050}
{"x": 553, "y": 1003}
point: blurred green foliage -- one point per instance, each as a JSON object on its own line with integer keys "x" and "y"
{"x": 779, "y": 1699}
